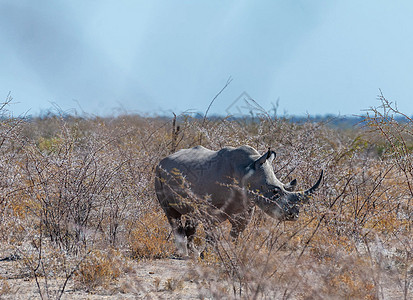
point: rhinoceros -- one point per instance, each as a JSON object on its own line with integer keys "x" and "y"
{"x": 223, "y": 185}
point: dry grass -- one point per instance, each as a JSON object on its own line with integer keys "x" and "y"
{"x": 78, "y": 204}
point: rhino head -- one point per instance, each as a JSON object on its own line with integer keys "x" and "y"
{"x": 278, "y": 200}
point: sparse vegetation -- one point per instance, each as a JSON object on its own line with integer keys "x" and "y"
{"x": 78, "y": 208}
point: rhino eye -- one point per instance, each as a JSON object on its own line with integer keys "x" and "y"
{"x": 276, "y": 192}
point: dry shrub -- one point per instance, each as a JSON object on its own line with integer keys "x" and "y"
{"x": 5, "y": 288}
{"x": 10, "y": 180}
{"x": 173, "y": 284}
{"x": 76, "y": 189}
{"x": 99, "y": 269}
{"x": 70, "y": 188}
{"x": 353, "y": 240}
{"x": 151, "y": 237}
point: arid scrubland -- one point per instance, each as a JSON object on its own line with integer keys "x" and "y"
{"x": 78, "y": 212}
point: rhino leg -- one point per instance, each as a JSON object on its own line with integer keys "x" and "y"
{"x": 190, "y": 230}
{"x": 210, "y": 240}
{"x": 179, "y": 234}
{"x": 184, "y": 235}
{"x": 174, "y": 216}
{"x": 174, "y": 219}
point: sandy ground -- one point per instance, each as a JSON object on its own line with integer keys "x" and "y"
{"x": 152, "y": 279}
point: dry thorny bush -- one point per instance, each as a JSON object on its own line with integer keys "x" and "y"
{"x": 77, "y": 202}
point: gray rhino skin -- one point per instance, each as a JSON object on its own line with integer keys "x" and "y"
{"x": 221, "y": 185}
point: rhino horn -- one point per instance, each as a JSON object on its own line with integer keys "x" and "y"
{"x": 269, "y": 153}
{"x": 315, "y": 186}
{"x": 291, "y": 186}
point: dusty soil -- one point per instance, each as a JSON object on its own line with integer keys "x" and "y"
{"x": 152, "y": 279}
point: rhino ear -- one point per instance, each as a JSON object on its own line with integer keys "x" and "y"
{"x": 291, "y": 186}
{"x": 269, "y": 155}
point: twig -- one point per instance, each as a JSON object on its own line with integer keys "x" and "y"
{"x": 216, "y": 96}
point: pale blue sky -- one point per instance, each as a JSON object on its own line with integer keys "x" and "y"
{"x": 316, "y": 57}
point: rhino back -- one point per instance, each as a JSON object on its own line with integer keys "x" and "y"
{"x": 199, "y": 166}
{"x": 208, "y": 171}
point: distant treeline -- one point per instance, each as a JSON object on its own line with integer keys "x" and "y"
{"x": 333, "y": 121}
